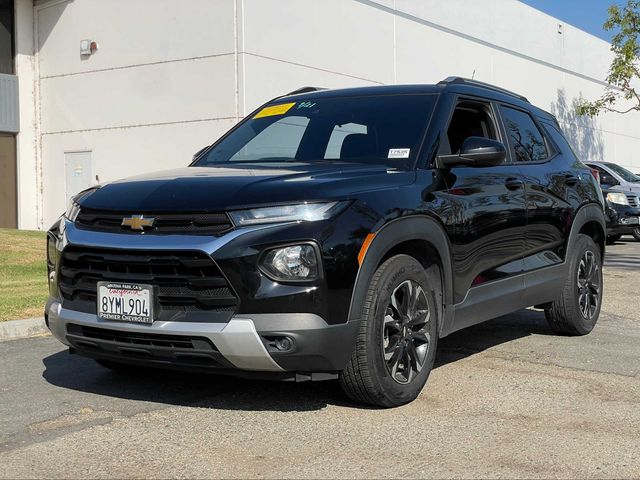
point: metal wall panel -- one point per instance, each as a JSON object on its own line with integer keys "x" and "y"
{"x": 78, "y": 172}
{"x": 9, "y": 117}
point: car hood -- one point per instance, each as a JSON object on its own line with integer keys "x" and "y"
{"x": 634, "y": 188}
{"x": 626, "y": 188}
{"x": 217, "y": 188}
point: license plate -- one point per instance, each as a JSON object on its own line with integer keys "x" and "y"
{"x": 633, "y": 220}
{"x": 125, "y": 302}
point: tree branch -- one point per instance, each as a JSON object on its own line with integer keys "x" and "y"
{"x": 609, "y": 109}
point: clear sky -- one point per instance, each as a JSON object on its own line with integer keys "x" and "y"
{"x": 588, "y": 15}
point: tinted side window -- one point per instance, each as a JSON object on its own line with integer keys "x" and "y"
{"x": 525, "y": 139}
{"x": 601, "y": 171}
{"x": 559, "y": 139}
{"x": 605, "y": 177}
{"x": 470, "y": 119}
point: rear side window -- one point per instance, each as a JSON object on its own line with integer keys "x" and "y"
{"x": 558, "y": 138}
{"x": 525, "y": 139}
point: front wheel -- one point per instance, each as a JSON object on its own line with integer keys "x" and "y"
{"x": 578, "y": 309}
{"x": 397, "y": 337}
{"x": 636, "y": 233}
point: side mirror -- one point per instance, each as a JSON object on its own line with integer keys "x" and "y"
{"x": 475, "y": 152}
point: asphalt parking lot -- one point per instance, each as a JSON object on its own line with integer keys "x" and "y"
{"x": 507, "y": 399}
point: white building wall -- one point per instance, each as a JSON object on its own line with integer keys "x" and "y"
{"x": 161, "y": 86}
{"x": 504, "y": 42}
{"x": 26, "y": 141}
{"x": 170, "y": 77}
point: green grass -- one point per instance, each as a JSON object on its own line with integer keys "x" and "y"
{"x": 23, "y": 274}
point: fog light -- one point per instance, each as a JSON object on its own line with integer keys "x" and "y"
{"x": 283, "y": 344}
{"x": 292, "y": 263}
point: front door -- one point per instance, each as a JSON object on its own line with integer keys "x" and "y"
{"x": 488, "y": 230}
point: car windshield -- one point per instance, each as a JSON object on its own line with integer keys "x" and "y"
{"x": 380, "y": 129}
{"x": 626, "y": 175}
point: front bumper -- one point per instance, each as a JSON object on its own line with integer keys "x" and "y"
{"x": 312, "y": 317}
{"x": 621, "y": 219}
{"x": 621, "y": 230}
{"x": 244, "y": 344}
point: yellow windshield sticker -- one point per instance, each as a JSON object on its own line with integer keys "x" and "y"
{"x": 274, "y": 110}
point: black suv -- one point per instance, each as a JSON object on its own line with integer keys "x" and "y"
{"x": 335, "y": 234}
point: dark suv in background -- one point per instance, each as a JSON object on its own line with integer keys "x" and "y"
{"x": 335, "y": 234}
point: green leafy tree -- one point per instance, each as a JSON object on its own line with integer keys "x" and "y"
{"x": 624, "y": 73}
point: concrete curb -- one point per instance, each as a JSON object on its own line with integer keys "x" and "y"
{"x": 15, "y": 329}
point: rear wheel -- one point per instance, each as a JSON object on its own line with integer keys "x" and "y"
{"x": 636, "y": 233}
{"x": 611, "y": 239}
{"x": 577, "y": 310}
{"x": 397, "y": 338}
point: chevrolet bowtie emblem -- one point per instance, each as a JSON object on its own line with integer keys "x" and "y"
{"x": 138, "y": 222}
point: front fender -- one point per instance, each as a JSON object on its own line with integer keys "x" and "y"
{"x": 393, "y": 233}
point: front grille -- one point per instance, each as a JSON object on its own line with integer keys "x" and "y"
{"x": 184, "y": 281}
{"x": 186, "y": 223}
{"x": 141, "y": 339}
{"x": 181, "y": 351}
{"x": 633, "y": 200}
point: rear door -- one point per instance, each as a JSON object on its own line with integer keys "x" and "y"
{"x": 551, "y": 175}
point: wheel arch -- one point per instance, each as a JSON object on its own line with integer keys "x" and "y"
{"x": 423, "y": 238}
{"x": 589, "y": 221}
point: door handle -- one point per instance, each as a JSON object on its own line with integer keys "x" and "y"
{"x": 513, "y": 183}
{"x": 571, "y": 180}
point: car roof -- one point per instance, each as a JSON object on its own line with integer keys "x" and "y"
{"x": 599, "y": 163}
{"x": 453, "y": 85}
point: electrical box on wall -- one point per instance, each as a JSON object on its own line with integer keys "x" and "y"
{"x": 88, "y": 47}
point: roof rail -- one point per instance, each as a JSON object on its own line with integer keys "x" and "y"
{"x": 476, "y": 83}
{"x": 304, "y": 90}
{"x": 298, "y": 92}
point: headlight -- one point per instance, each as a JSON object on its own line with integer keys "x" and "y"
{"x": 304, "y": 212}
{"x": 74, "y": 204}
{"x": 72, "y": 211}
{"x": 617, "y": 197}
{"x": 52, "y": 251}
{"x": 292, "y": 263}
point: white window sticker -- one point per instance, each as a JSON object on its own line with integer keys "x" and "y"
{"x": 399, "y": 152}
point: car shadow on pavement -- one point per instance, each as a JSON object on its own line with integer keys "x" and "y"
{"x": 230, "y": 393}
{"x": 476, "y": 339}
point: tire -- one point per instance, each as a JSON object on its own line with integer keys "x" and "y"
{"x": 636, "y": 233}
{"x": 577, "y": 310}
{"x": 611, "y": 239}
{"x": 395, "y": 377}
